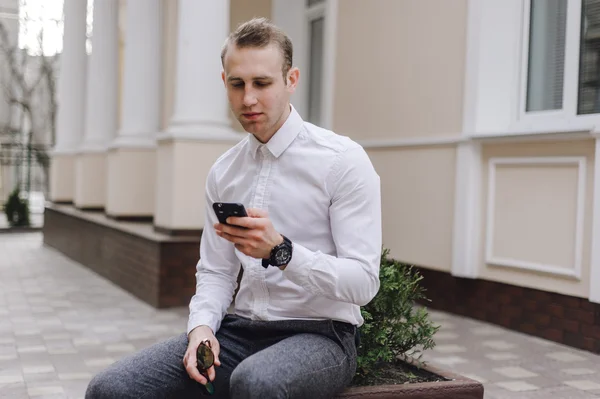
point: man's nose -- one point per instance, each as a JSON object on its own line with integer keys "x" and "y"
{"x": 249, "y": 98}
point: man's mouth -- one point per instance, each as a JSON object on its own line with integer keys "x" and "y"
{"x": 251, "y": 115}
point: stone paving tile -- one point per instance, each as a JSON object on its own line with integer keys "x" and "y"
{"x": 52, "y": 342}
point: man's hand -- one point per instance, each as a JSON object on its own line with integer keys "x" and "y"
{"x": 196, "y": 336}
{"x": 258, "y": 237}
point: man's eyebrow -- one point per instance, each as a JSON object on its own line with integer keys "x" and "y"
{"x": 237, "y": 79}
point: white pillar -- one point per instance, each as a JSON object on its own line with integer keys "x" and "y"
{"x": 466, "y": 237}
{"x": 141, "y": 104}
{"x": 101, "y": 107}
{"x": 71, "y": 101}
{"x": 595, "y": 256}
{"x": 131, "y": 158}
{"x": 200, "y": 108}
{"x": 200, "y": 129}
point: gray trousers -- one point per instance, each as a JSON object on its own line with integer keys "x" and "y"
{"x": 259, "y": 359}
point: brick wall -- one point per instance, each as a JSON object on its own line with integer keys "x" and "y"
{"x": 159, "y": 272}
{"x": 561, "y": 318}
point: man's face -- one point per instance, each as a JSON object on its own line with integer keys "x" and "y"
{"x": 257, "y": 92}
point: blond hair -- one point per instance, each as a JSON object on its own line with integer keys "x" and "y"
{"x": 259, "y": 32}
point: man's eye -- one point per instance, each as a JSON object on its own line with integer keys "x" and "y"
{"x": 237, "y": 85}
{"x": 262, "y": 84}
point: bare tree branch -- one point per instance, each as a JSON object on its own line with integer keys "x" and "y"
{"x": 31, "y": 78}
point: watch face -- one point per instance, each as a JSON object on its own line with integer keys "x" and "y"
{"x": 282, "y": 256}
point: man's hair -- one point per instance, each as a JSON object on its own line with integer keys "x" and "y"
{"x": 259, "y": 32}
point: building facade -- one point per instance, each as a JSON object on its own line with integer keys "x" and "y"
{"x": 479, "y": 116}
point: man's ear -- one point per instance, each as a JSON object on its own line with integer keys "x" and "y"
{"x": 223, "y": 77}
{"x": 293, "y": 76}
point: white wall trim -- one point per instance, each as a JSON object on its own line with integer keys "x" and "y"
{"x": 208, "y": 137}
{"x": 595, "y": 256}
{"x": 329, "y": 61}
{"x": 141, "y": 141}
{"x": 410, "y": 142}
{"x": 466, "y": 237}
{"x": 557, "y": 134}
{"x": 491, "y": 259}
{"x": 553, "y": 132}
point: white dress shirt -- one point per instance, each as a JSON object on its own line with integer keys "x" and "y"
{"x": 322, "y": 192}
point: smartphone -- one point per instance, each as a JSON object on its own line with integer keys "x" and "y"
{"x": 223, "y": 210}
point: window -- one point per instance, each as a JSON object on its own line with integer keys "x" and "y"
{"x": 589, "y": 66}
{"x": 315, "y": 17}
{"x": 545, "y": 72}
{"x": 561, "y": 75}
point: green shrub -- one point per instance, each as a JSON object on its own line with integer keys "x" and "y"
{"x": 17, "y": 210}
{"x": 394, "y": 327}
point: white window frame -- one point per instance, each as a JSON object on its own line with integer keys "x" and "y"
{"x": 311, "y": 14}
{"x": 571, "y": 73}
{"x": 496, "y": 74}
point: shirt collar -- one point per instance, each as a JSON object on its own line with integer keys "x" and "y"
{"x": 282, "y": 138}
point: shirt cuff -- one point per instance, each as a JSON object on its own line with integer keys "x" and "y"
{"x": 203, "y": 319}
{"x": 298, "y": 269}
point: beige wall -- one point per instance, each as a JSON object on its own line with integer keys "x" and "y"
{"x": 399, "y": 74}
{"x": 417, "y": 203}
{"x": 243, "y": 10}
{"x": 400, "y": 68}
{"x": 534, "y": 214}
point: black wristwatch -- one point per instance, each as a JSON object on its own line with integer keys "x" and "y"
{"x": 280, "y": 254}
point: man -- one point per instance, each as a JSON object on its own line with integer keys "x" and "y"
{"x": 310, "y": 249}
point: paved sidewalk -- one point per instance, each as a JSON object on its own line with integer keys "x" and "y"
{"x": 60, "y": 324}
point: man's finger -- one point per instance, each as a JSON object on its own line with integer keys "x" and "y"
{"x": 236, "y": 240}
{"x": 233, "y": 230}
{"x": 257, "y": 213}
{"x": 216, "y": 348}
{"x": 191, "y": 367}
{"x": 211, "y": 373}
{"x": 247, "y": 222}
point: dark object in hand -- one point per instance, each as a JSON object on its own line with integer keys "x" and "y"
{"x": 205, "y": 360}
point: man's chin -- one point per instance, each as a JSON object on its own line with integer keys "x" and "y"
{"x": 252, "y": 127}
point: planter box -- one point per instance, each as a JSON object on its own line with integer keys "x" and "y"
{"x": 458, "y": 387}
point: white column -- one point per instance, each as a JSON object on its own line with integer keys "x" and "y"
{"x": 101, "y": 107}
{"x": 200, "y": 106}
{"x": 595, "y": 256}
{"x": 141, "y": 102}
{"x": 71, "y": 101}
{"x": 102, "y": 82}
{"x": 466, "y": 237}
{"x": 200, "y": 129}
{"x": 131, "y": 168}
